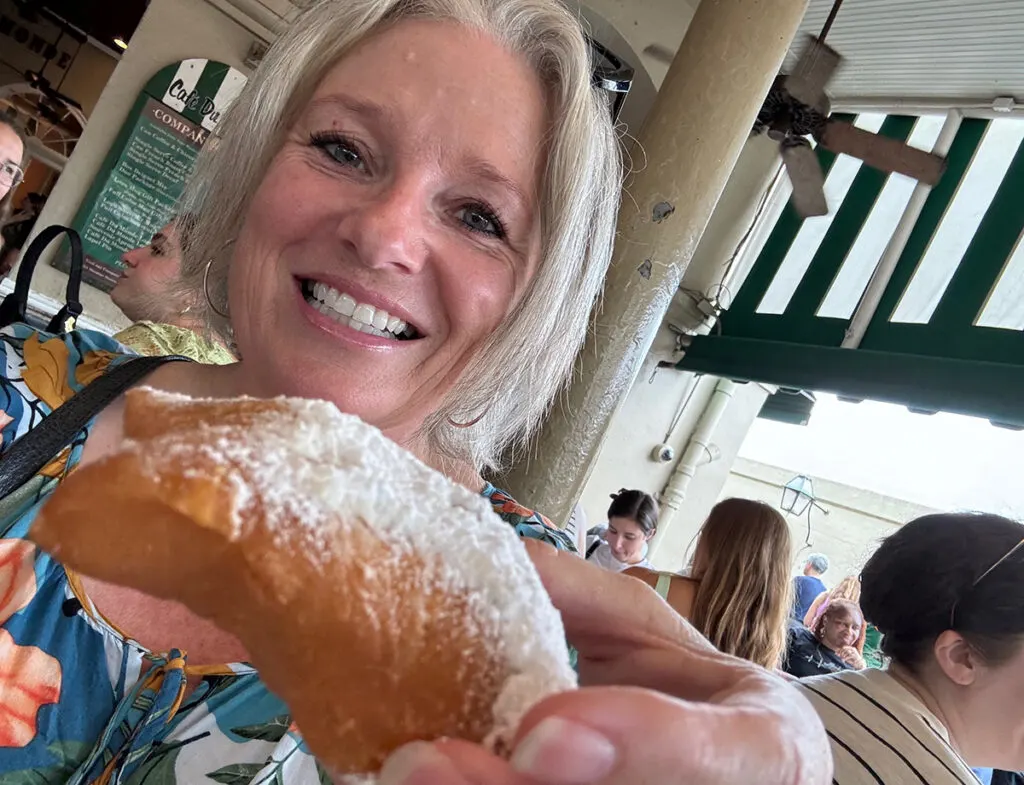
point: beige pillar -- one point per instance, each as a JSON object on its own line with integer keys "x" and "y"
{"x": 691, "y": 139}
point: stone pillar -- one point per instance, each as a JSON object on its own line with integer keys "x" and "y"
{"x": 691, "y": 139}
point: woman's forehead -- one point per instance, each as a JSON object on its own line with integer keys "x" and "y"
{"x": 446, "y": 82}
{"x": 11, "y": 148}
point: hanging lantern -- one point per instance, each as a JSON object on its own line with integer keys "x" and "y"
{"x": 798, "y": 495}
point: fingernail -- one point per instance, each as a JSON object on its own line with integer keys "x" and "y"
{"x": 560, "y": 752}
{"x": 418, "y": 762}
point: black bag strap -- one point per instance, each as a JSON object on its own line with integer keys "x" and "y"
{"x": 592, "y": 548}
{"x": 14, "y": 308}
{"x": 39, "y": 446}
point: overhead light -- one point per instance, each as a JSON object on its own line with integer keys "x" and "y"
{"x": 798, "y": 497}
{"x": 120, "y": 43}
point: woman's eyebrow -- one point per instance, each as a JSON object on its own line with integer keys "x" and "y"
{"x": 487, "y": 171}
{"x": 347, "y": 103}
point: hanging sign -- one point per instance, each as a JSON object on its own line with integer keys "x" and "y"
{"x": 145, "y": 171}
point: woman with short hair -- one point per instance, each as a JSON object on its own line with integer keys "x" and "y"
{"x": 947, "y": 593}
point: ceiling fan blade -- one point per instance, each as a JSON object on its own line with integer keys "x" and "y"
{"x": 881, "y": 152}
{"x": 817, "y": 63}
{"x": 805, "y": 173}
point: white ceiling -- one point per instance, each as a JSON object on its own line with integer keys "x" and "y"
{"x": 971, "y": 49}
{"x": 929, "y": 49}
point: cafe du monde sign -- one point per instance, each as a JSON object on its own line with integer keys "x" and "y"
{"x": 145, "y": 171}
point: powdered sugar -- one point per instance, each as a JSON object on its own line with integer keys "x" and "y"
{"x": 307, "y": 461}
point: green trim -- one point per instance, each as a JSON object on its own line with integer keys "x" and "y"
{"x": 157, "y": 86}
{"x": 779, "y": 242}
{"x": 985, "y": 257}
{"x": 849, "y": 220}
{"x": 961, "y": 153}
{"x": 980, "y": 389}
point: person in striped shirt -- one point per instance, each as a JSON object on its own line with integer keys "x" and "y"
{"x": 947, "y": 593}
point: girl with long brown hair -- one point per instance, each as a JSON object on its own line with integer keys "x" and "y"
{"x": 739, "y": 593}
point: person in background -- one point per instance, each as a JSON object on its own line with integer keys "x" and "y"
{"x": 738, "y": 595}
{"x": 947, "y": 593}
{"x": 12, "y": 150}
{"x": 828, "y": 646}
{"x": 166, "y": 315}
{"x": 17, "y": 228}
{"x": 632, "y": 521}
{"x": 808, "y": 586}
{"x": 1007, "y": 778}
{"x": 847, "y": 589}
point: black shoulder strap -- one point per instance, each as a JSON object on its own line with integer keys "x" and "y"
{"x": 40, "y": 445}
{"x": 592, "y": 548}
{"x": 14, "y": 307}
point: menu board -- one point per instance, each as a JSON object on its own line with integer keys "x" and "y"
{"x": 141, "y": 190}
{"x": 146, "y": 170}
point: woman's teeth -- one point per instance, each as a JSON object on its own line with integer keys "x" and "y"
{"x": 343, "y": 308}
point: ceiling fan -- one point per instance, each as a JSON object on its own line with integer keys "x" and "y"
{"x": 797, "y": 109}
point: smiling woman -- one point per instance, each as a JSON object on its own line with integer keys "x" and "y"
{"x": 409, "y": 215}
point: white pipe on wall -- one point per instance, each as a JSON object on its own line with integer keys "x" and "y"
{"x": 699, "y": 451}
{"x": 891, "y": 255}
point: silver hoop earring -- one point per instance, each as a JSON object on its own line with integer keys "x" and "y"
{"x": 206, "y": 292}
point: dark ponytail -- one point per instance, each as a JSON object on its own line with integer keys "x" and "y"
{"x": 636, "y": 506}
{"x": 928, "y": 578}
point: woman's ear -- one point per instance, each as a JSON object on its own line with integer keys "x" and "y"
{"x": 649, "y": 535}
{"x": 957, "y": 659}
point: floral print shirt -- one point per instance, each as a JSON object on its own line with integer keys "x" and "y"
{"x": 80, "y": 701}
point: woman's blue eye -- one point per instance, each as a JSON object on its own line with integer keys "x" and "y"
{"x": 480, "y": 219}
{"x": 341, "y": 150}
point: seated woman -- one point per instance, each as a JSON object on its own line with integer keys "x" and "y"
{"x": 739, "y": 593}
{"x": 847, "y": 589}
{"x": 947, "y": 593}
{"x": 828, "y": 646}
{"x": 409, "y": 215}
{"x": 166, "y": 314}
{"x": 632, "y": 521}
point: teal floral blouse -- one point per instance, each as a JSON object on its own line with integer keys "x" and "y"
{"x": 79, "y": 701}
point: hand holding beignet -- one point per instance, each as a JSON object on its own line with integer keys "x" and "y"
{"x": 381, "y": 601}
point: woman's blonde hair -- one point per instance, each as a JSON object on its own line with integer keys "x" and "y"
{"x": 847, "y": 589}
{"x": 506, "y": 389}
{"x": 744, "y": 594}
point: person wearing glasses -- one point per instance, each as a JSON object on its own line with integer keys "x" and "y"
{"x": 12, "y": 149}
{"x": 947, "y": 593}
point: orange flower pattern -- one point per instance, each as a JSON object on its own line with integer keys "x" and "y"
{"x": 17, "y": 576}
{"x": 29, "y": 678}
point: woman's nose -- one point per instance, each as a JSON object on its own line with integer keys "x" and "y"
{"x": 390, "y": 228}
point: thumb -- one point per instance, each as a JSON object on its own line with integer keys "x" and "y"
{"x": 631, "y": 736}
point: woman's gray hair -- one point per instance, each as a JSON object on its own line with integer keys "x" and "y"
{"x": 507, "y": 388}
